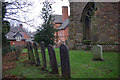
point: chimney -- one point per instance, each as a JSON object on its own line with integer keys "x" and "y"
{"x": 21, "y": 26}
{"x": 64, "y": 12}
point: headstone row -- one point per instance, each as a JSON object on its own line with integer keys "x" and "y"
{"x": 64, "y": 57}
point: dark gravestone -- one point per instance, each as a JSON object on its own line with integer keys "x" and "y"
{"x": 43, "y": 54}
{"x": 36, "y": 54}
{"x": 53, "y": 62}
{"x": 32, "y": 58}
{"x": 65, "y": 63}
{"x": 28, "y": 49}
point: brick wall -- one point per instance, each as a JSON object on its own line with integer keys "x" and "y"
{"x": 64, "y": 33}
{"x": 17, "y": 43}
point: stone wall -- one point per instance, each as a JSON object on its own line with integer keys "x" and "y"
{"x": 74, "y": 28}
{"x": 104, "y": 25}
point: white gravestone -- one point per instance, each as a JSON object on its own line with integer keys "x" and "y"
{"x": 97, "y": 52}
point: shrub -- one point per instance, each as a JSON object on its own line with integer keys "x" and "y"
{"x": 17, "y": 50}
{"x": 6, "y": 50}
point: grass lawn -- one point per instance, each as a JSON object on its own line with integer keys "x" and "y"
{"x": 81, "y": 63}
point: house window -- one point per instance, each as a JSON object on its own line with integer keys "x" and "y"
{"x": 18, "y": 38}
{"x": 60, "y": 33}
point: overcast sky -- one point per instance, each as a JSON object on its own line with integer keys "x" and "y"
{"x": 35, "y": 11}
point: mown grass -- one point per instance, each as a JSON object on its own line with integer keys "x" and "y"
{"x": 81, "y": 63}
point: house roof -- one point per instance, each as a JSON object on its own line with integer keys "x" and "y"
{"x": 14, "y": 30}
{"x": 11, "y": 35}
{"x": 25, "y": 35}
{"x": 64, "y": 24}
{"x": 58, "y": 19}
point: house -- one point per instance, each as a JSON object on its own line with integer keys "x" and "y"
{"x": 95, "y": 22}
{"x": 18, "y": 36}
{"x": 61, "y": 24}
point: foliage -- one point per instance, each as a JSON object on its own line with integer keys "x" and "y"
{"x": 5, "y": 28}
{"x": 87, "y": 41}
{"x": 47, "y": 31}
{"x": 3, "y": 10}
{"x": 18, "y": 49}
{"x": 6, "y": 50}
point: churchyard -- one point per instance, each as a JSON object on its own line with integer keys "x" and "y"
{"x": 55, "y": 64}
{"x": 82, "y": 44}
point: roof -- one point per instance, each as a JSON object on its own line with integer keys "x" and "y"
{"x": 14, "y": 31}
{"x": 11, "y": 35}
{"x": 25, "y": 35}
{"x": 58, "y": 19}
{"x": 64, "y": 24}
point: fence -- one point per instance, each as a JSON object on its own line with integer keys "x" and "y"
{"x": 64, "y": 58}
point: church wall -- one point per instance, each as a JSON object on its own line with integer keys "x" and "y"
{"x": 104, "y": 26}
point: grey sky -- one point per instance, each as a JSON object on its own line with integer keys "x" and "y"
{"x": 35, "y": 11}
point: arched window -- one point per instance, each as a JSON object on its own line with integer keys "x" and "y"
{"x": 87, "y": 13}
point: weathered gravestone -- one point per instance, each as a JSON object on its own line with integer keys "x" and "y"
{"x": 97, "y": 52}
{"x": 53, "y": 61}
{"x": 32, "y": 58}
{"x": 28, "y": 49}
{"x": 36, "y": 54}
{"x": 65, "y": 63}
{"x": 43, "y": 54}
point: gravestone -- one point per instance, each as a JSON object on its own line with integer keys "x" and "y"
{"x": 53, "y": 61}
{"x": 28, "y": 49}
{"x": 97, "y": 52}
{"x": 32, "y": 57}
{"x": 43, "y": 54}
{"x": 36, "y": 54}
{"x": 65, "y": 63}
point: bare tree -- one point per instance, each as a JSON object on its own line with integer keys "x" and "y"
{"x": 17, "y": 10}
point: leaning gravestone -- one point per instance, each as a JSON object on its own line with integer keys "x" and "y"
{"x": 36, "y": 54}
{"x": 32, "y": 58}
{"x": 28, "y": 49}
{"x": 43, "y": 54}
{"x": 65, "y": 63}
{"x": 97, "y": 52}
{"x": 53, "y": 62}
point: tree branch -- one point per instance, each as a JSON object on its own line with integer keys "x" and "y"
{"x": 15, "y": 19}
